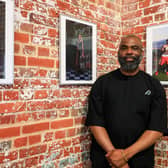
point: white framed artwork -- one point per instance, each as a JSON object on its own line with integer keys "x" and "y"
{"x": 6, "y": 41}
{"x": 157, "y": 52}
{"x": 77, "y": 51}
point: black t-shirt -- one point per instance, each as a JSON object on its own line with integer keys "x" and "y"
{"x": 127, "y": 106}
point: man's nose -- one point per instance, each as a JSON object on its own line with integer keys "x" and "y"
{"x": 129, "y": 50}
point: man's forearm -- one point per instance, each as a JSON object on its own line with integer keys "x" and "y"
{"x": 147, "y": 139}
{"x": 102, "y": 137}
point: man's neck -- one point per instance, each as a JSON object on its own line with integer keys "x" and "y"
{"x": 129, "y": 73}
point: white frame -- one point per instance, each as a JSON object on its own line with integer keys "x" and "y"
{"x": 9, "y": 43}
{"x": 62, "y": 74}
{"x": 154, "y": 33}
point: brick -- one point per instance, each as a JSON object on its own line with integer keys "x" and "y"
{"x": 100, "y": 51}
{"x": 20, "y": 60}
{"x": 40, "y": 105}
{"x": 52, "y": 33}
{"x": 43, "y": 51}
{"x": 39, "y": 40}
{"x": 132, "y": 7}
{"x": 62, "y": 5}
{"x": 101, "y": 2}
{"x": 53, "y": 12}
{"x": 65, "y": 143}
{"x": 68, "y": 151}
{"x": 31, "y": 162}
{"x": 144, "y": 4}
{"x": 75, "y": 93}
{"x": 160, "y": 17}
{"x": 38, "y": 115}
{"x": 40, "y": 30}
{"x": 129, "y": 1}
{"x": 60, "y": 134}
{"x": 107, "y": 44}
{"x": 20, "y": 83}
{"x": 12, "y": 107}
{"x": 10, "y": 95}
{"x": 152, "y": 10}
{"x": 132, "y": 15}
{"x": 23, "y": 117}
{"x": 71, "y": 132}
{"x": 51, "y": 114}
{"x": 64, "y": 113}
{"x": 66, "y": 93}
{"x": 111, "y": 5}
{"x": 40, "y": 94}
{"x": 75, "y": 2}
{"x": 21, "y": 37}
{"x": 9, "y": 132}
{"x": 10, "y": 157}
{"x": 19, "y": 142}
{"x": 32, "y": 61}
{"x": 62, "y": 123}
{"x": 79, "y": 120}
{"x": 27, "y": 5}
{"x": 24, "y": 13}
{"x": 16, "y": 48}
{"x": 17, "y": 164}
{"x": 63, "y": 103}
{"x": 23, "y": 153}
{"x": 41, "y": 73}
{"x": 42, "y": 20}
{"x": 48, "y": 137}
{"x": 17, "y": 3}
{"x": 147, "y": 19}
{"x": 26, "y": 27}
{"x": 7, "y": 119}
{"x": 35, "y": 127}
{"x": 37, "y": 149}
{"x": 34, "y": 139}
{"x": 89, "y": 14}
{"x": 156, "y": 1}
{"x": 41, "y": 8}
{"x": 38, "y": 83}
{"x": 104, "y": 27}
{"x": 29, "y": 50}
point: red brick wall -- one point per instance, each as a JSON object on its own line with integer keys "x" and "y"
{"x": 42, "y": 123}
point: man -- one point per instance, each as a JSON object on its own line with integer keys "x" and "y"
{"x": 127, "y": 112}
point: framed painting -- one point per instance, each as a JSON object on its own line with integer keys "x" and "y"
{"x": 157, "y": 52}
{"x": 77, "y": 51}
{"x": 6, "y": 41}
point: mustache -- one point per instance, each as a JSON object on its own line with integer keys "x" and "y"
{"x": 129, "y": 56}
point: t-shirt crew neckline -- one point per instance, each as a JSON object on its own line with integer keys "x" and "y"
{"x": 122, "y": 76}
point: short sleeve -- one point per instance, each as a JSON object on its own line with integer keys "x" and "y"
{"x": 95, "y": 114}
{"x": 158, "y": 114}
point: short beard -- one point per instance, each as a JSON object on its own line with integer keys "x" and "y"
{"x": 129, "y": 66}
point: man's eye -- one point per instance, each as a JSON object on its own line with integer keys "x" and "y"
{"x": 135, "y": 47}
{"x": 123, "y": 48}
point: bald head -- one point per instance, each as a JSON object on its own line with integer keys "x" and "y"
{"x": 124, "y": 39}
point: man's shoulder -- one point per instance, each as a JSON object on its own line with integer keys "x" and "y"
{"x": 148, "y": 76}
{"x": 108, "y": 75}
{"x": 151, "y": 80}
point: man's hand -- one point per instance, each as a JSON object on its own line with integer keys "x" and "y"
{"x": 115, "y": 158}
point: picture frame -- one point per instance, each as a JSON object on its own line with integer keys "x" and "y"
{"x": 156, "y": 52}
{"x": 7, "y": 41}
{"x": 77, "y": 51}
